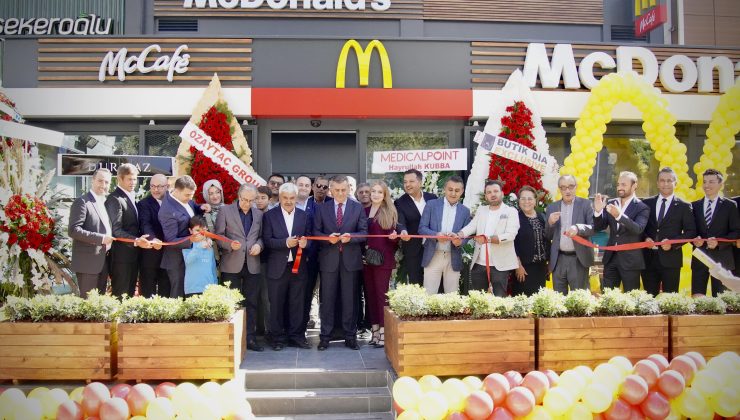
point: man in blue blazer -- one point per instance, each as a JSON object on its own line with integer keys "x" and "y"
{"x": 284, "y": 230}
{"x": 442, "y": 258}
{"x": 152, "y": 277}
{"x": 174, "y": 216}
{"x": 340, "y": 260}
{"x": 626, "y": 218}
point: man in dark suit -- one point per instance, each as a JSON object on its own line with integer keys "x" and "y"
{"x": 174, "y": 216}
{"x": 124, "y": 217}
{"x": 284, "y": 230}
{"x": 310, "y": 254}
{"x": 568, "y": 217}
{"x": 626, "y": 218}
{"x": 340, "y": 260}
{"x": 737, "y": 243}
{"x": 410, "y": 207}
{"x": 670, "y": 218}
{"x": 715, "y": 217}
{"x": 92, "y": 236}
{"x": 240, "y": 258}
{"x": 153, "y": 279}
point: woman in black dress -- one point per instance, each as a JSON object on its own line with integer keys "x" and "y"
{"x": 532, "y": 247}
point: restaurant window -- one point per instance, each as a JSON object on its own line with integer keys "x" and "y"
{"x": 732, "y": 185}
{"x": 625, "y": 153}
{"x": 402, "y": 140}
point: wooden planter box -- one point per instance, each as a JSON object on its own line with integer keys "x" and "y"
{"x": 710, "y": 335}
{"x": 459, "y": 347}
{"x": 176, "y": 351}
{"x": 57, "y": 350}
{"x": 564, "y": 343}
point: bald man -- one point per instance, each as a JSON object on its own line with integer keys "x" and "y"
{"x": 153, "y": 279}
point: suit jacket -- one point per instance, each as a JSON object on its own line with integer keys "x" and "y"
{"x": 408, "y": 219}
{"x": 502, "y": 256}
{"x": 354, "y": 221}
{"x": 87, "y": 231}
{"x": 149, "y": 225}
{"x": 124, "y": 221}
{"x": 678, "y": 223}
{"x": 725, "y": 224}
{"x": 737, "y": 250}
{"x": 229, "y": 224}
{"x": 175, "y": 220}
{"x": 274, "y": 235}
{"x": 631, "y": 227}
{"x": 524, "y": 243}
{"x": 431, "y": 224}
{"x": 582, "y": 219}
{"x": 312, "y": 250}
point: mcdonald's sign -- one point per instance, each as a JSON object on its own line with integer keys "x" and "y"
{"x": 363, "y": 62}
{"x": 649, "y": 14}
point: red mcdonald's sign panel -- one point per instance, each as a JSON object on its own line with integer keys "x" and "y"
{"x": 651, "y": 19}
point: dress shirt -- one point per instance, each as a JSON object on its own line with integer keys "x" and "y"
{"x": 132, "y": 198}
{"x": 713, "y": 205}
{"x": 344, "y": 209}
{"x": 566, "y": 221}
{"x": 288, "y": 217}
{"x": 187, "y": 207}
{"x": 158, "y": 201}
{"x": 103, "y": 213}
{"x": 490, "y": 230}
{"x": 618, "y": 203}
{"x": 448, "y": 222}
{"x": 420, "y": 204}
{"x": 659, "y": 203}
{"x": 246, "y": 221}
{"x": 301, "y": 206}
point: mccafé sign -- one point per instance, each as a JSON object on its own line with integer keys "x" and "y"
{"x": 121, "y": 64}
{"x": 377, "y": 5}
{"x": 562, "y": 65}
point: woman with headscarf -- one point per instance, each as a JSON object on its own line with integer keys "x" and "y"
{"x": 213, "y": 194}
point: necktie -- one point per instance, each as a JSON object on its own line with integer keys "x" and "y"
{"x": 340, "y": 219}
{"x": 708, "y": 213}
{"x": 662, "y": 211}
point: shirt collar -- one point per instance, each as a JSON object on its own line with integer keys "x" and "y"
{"x": 420, "y": 200}
{"x": 668, "y": 199}
{"x": 285, "y": 213}
{"x": 130, "y": 195}
{"x": 98, "y": 198}
{"x": 452, "y": 206}
{"x": 629, "y": 201}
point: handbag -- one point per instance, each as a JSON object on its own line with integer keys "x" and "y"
{"x": 373, "y": 257}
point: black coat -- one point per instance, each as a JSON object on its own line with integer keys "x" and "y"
{"x": 630, "y": 230}
{"x": 124, "y": 222}
{"x": 274, "y": 236}
{"x": 725, "y": 224}
{"x": 678, "y": 223}
{"x": 408, "y": 220}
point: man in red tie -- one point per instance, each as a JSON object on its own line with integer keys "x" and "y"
{"x": 340, "y": 259}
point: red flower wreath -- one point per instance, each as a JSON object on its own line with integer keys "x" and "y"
{"x": 28, "y": 223}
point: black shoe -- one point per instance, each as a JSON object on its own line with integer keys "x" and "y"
{"x": 254, "y": 346}
{"x": 300, "y": 344}
{"x": 352, "y": 343}
{"x": 278, "y": 346}
{"x": 323, "y": 345}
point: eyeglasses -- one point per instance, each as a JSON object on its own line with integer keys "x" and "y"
{"x": 278, "y": 183}
{"x": 323, "y": 187}
{"x": 566, "y": 187}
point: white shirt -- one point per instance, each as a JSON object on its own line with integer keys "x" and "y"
{"x": 158, "y": 201}
{"x": 289, "y": 217}
{"x": 659, "y": 203}
{"x": 449, "y": 212}
{"x": 713, "y": 205}
{"x": 103, "y": 213}
{"x": 420, "y": 204}
{"x": 490, "y": 230}
{"x": 132, "y": 197}
{"x": 618, "y": 203}
{"x": 300, "y": 205}
{"x": 187, "y": 207}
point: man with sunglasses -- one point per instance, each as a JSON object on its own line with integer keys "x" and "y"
{"x": 274, "y": 182}
{"x": 153, "y": 278}
{"x": 320, "y": 187}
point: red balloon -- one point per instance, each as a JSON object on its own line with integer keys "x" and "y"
{"x": 165, "y": 389}
{"x": 552, "y": 377}
{"x": 656, "y": 406}
{"x": 497, "y": 386}
{"x": 120, "y": 390}
{"x": 514, "y": 378}
{"x": 634, "y": 389}
{"x": 520, "y": 401}
{"x": 397, "y": 408}
{"x": 501, "y": 413}
{"x": 619, "y": 410}
{"x": 671, "y": 383}
{"x": 93, "y": 396}
{"x": 684, "y": 365}
{"x": 479, "y": 405}
{"x": 457, "y": 416}
{"x": 538, "y": 383}
{"x": 114, "y": 409}
{"x": 139, "y": 398}
{"x": 598, "y": 416}
{"x": 636, "y": 414}
{"x": 649, "y": 371}
{"x": 659, "y": 361}
{"x": 69, "y": 410}
{"x": 698, "y": 358}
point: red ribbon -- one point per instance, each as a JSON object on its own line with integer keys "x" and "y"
{"x": 204, "y": 233}
{"x": 640, "y": 245}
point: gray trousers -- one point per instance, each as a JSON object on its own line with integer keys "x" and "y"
{"x": 87, "y": 282}
{"x": 569, "y": 272}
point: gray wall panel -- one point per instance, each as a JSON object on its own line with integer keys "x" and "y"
{"x": 20, "y": 63}
{"x": 250, "y": 27}
{"x": 481, "y": 31}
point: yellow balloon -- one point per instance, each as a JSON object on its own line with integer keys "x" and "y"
{"x": 76, "y": 394}
{"x": 406, "y": 392}
{"x": 160, "y": 409}
{"x": 28, "y": 409}
{"x": 573, "y": 381}
{"x": 558, "y": 400}
{"x": 409, "y": 415}
{"x": 579, "y": 411}
{"x": 585, "y": 371}
{"x": 455, "y": 391}
{"x": 539, "y": 413}
{"x": 726, "y": 402}
{"x": 430, "y": 383}
{"x": 622, "y": 363}
{"x": 598, "y": 398}
{"x": 707, "y": 383}
{"x": 607, "y": 374}
{"x": 473, "y": 383}
{"x": 433, "y": 406}
{"x": 38, "y": 393}
{"x": 210, "y": 389}
{"x": 692, "y": 403}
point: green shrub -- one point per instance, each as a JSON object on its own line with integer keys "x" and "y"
{"x": 614, "y": 303}
{"x": 512, "y": 307}
{"x": 675, "y": 304}
{"x": 548, "y": 303}
{"x": 409, "y": 300}
{"x": 709, "y": 305}
{"x": 447, "y": 304}
{"x": 580, "y": 302}
{"x": 731, "y": 299}
{"x": 481, "y": 304}
{"x": 99, "y": 308}
{"x": 645, "y": 303}
{"x": 51, "y": 308}
{"x": 154, "y": 309}
{"x": 17, "y": 309}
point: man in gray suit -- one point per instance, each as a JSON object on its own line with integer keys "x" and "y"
{"x": 566, "y": 218}
{"x": 240, "y": 261}
{"x": 91, "y": 233}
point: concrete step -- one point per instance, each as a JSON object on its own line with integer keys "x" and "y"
{"x": 311, "y": 378}
{"x": 338, "y": 401}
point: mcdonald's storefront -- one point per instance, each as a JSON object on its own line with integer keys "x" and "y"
{"x": 324, "y": 104}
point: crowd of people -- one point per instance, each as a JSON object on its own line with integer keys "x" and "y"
{"x": 328, "y": 220}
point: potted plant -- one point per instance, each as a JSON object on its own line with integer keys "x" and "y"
{"x": 580, "y": 329}
{"x": 449, "y": 334}
{"x": 49, "y": 337}
{"x": 201, "y": 337}
{"x": 709, "y": 325}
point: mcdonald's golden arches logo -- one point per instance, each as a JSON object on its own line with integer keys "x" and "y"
{"x": 363, "y": 61}
{"x": 641, "y": 5}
